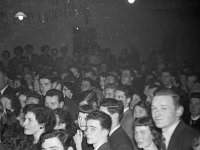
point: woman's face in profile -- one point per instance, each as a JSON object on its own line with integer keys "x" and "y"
{"x": 143, "y": 136}
{"x": 52, "y": 144}
{"x": 31, "y": 125}
{"x": 139, "y": 112}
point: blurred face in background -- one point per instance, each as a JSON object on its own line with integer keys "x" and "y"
{"x": 45, "y": 85}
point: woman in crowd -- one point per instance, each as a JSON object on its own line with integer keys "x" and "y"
{"x": 147, "y": 136}
{"x": 79, "y": 138}
{"x": 38, "y": 120}
{"x": 60, "y": 140}
{"x": 11, "y": 129}
{"x": 141, "y": 109}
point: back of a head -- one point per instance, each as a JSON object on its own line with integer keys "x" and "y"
{"x": 103, "y": 118}
{"x": 113, "y": 106}
{"x": 89, "y": 97}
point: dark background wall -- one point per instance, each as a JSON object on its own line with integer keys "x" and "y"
{"x": 172, "y": 27}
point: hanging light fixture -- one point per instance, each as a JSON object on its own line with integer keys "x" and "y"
{"x": 20, "y": 15}
{"x": 131, "y": 1}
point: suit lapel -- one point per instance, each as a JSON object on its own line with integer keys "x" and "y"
{"x": 175, "y": 136}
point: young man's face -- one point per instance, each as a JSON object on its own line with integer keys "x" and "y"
{"x": 95, "y": 132}
{"x": 45, "y": 85}
{"x": 126, "y": 77}
{"x": 195, "y": 106}
{"x": 164, "y": 112}
{"x": 85, "y": 85}
{"x": 166, "y": 78}
{"x": 52, "y": 102}
{"x": 120, "y": 96}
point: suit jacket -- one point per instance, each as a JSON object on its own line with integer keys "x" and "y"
{"x": 119, "y": 140}
{"x": 196, "y": 125}
{"x": 127, "y": 123}
{"x": 105, "y": 146}
{"x": 182, "y": 137}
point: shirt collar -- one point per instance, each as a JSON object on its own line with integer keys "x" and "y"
{"x": 195, "y": 118}
{"x": 168, "y": 133}
{"x": 2, "y": 91}
{"x": 99, "y": 144}
{"x": 113, "y": 130}
{"x": 126, "y": 109}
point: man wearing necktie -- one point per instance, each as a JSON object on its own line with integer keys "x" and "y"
{"x": 195, "y": 110}
{"x": 166, "y": 113}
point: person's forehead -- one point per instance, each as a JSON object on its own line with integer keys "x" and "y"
{"x": 93, "y": 123}
{"x": 109, "y": 90}
{"x": 30, "y": 115}
{"x": 52, "y": 143}
{"x": 142, "y": 128}
{"x": 82, "y": 114}
{"x": 166, "y": 74}
{"x": 196, "y": 100}
{"x": 51, "y": 98}
{"x": 103, "y": 108}
{"x": 44, "y": 80}
{"x": 163, "y": 100}
{"x": 126, "y": 71}
{"x": 118, "y": 92}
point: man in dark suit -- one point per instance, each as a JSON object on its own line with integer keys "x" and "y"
{"x": 30, "y": 58}
{"x": 123, "y": 94}
{"x": 195, "y": 111}
{"x": 98, "y": 127}
{"x": 166, "y": 113}
{"x": 4, "y": 87}
{"x": 118, "y": 139}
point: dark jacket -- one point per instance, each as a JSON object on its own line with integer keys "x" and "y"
{"x": 119, "y": 140}
{"x": 182, "y": 137}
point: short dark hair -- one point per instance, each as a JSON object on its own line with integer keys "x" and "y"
{"x": 86, "y": 109}
{"x": 65, "y": 138}
{"x": 89, "y": 96}
{"x": 169, "y": 92}
{"x": 105, "y": 119}
{"x": 194, "y": 95}
{"x": 126, "y": 89}
{"x": 55, "y": 92}
{"x": 113, "y": 106}
{"x": 44, "y": 116}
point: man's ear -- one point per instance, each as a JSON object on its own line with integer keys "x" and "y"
{"x": 128, "y": 100}
{"x": 179, "y": 111}
{"x": 105, "y": 132}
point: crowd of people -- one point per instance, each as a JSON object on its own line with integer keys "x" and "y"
{"x": 94, "y": 100}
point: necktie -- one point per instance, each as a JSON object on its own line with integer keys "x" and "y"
{"x": 163, "y": 144}
{"x": 193, "y": 123}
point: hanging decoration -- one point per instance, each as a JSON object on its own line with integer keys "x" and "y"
{"x": 69, "y": 9}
